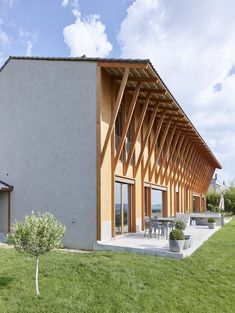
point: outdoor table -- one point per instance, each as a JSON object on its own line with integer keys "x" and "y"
{"x": 165, "y": 220}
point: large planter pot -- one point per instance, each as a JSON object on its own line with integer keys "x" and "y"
{"x": 176, "y": 245}
{"x": 211, "y": 225}
{"x": 187, "y": 241}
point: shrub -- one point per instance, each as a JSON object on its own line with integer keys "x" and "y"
{"x": 229, "y": 200}
{"x": 37, "y": 235}
{"x": 213, "y": 200}
{"x": 211, "y": 220}
{"x": 177, "y": 234}
{"x": 179, "y": 224}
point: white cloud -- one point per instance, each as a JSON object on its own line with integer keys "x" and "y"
{"x": 192, "y": 45}
{"x": 65, "y": 3}
{"x": 29, "y": 48}
{"x": 86, "y": 35}
{"x": 4, "y": 39}
{"x": 28, "y": 39}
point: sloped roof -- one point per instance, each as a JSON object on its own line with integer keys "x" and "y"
{"x": 149, "y": 71}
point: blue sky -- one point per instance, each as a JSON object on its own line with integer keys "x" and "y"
{"x": 191, "y": 44}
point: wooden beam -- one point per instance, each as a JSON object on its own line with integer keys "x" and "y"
{"x": 138, "y": 79}
{"x": 146, "y": 138}
{"x": 160, "y": 149}
{"x": 175, "y": 161}
{"x": 197, "y": 178}
{"x": 154, "y": 91}
{"x": 115, "y": 113}
{"x": 127, "y": 124}
{"x": 166, "y": 152}
{"x": 137, "y": 132}
{"x": 186, "y": 168}
{"x": 181, "y": 156}
{"x": 115, "y": 64}
{"x": 172, "y": 153}
{"x": 159, "y": 126}
{"x": 193, "y": 173}
{"x": 184, "y": 163}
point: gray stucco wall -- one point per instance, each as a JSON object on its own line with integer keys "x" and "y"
{"x": 48, "y": 142}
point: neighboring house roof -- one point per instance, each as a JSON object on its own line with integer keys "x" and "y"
{"x": 114, "y": 71}
{"x": 5, "y": 186}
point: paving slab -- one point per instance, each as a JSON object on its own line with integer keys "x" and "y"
{"x": 137, "y": 243}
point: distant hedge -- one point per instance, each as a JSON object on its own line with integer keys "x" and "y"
{"x": 212, "y": 200}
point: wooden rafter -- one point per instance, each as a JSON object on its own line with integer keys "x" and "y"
{"x": 196, "y": 177}
{"x": 202, "y": 174}
{"x": 201, "y": 168}
{"x": 191, "y": 165}
{"x": 194, "y": 167}
{"x": 207, "y": 182}
{"x": 146, "y": 138}
{"x": 183, "y": 142}
{"x": 138, "y": 79}
{"x": 182, "y": 163}
{"x": 115, "y": 113}
{"x": 127, "y": 123}
{"x": 207, "y": 174}
{"x": 207, "y": 178}
{"x": 166, "y": 152}
{"x": 154, "y": 91}
{"x": 160, "y": 149}
{"x": 185, "y": 172}
{"x": 115, "y": 64}
{"x": 152, "y": 147}
{"x": 177, "y": 139}
{"x": 181, "y": 156}
{"x": 137, "y": 132}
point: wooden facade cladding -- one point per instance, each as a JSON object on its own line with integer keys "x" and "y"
{"x": 157, "y": 144}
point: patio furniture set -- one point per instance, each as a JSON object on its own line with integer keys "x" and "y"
{"x": 158, "y": 226}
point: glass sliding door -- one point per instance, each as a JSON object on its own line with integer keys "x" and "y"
{"x": 122, "y": 208}
{"x": 157, "y": 202}
{"x": 126, "y": 209}
{"x": 118, "y": 209}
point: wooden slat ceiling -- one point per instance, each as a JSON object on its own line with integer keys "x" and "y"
{"x": 152, "y": 82}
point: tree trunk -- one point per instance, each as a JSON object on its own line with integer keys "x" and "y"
{"x": 36, "y": 277}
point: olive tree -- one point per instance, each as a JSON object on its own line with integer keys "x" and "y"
{"x": 37, "y": 235}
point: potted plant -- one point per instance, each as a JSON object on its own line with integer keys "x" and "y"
{"x": 211, "y": 222}
{"x": 176, "y": 240}
{"x": 179, "y": 224}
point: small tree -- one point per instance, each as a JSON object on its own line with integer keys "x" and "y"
{"x": 212, "y": 200}
{"x": 37, "y": 235}
{"x": 229, "y": 200}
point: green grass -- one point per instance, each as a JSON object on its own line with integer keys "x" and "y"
{"x": 121, "y": 282}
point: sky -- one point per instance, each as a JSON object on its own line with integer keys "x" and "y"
{"x": 190, "y": 43}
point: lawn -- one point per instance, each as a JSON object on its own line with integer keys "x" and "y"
{"x": 122, "y": 282}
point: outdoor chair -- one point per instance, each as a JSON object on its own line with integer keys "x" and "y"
{"x": 147, "y": 227}
{"x": 156, "y": 226}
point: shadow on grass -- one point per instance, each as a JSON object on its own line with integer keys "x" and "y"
{"x": 5, "y": 281}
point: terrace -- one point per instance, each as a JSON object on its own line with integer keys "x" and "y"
{"x": 138, "y": 243}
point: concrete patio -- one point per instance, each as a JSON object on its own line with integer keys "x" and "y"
{"x": 137, "y": 243}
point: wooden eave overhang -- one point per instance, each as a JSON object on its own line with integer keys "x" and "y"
{"x": 151, "y": 82}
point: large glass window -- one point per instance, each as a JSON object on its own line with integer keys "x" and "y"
{"x": 157, "y": 202}
{"x": 122, "y": 208}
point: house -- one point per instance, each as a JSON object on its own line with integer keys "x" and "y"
{"x": 217, "y": 185}
{"x": 100, "y": 143}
